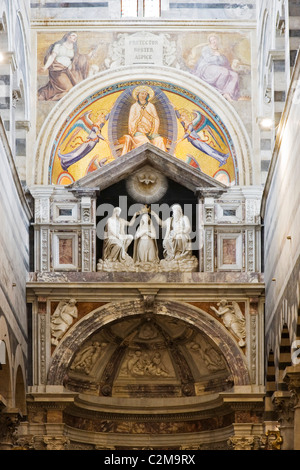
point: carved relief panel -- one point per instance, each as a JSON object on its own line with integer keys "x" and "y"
{"x": 231, "y": 227}
{"x": 148, "y": 357}
{"x": 64, "y": 230}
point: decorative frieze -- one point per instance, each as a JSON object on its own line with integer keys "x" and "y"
{"x": 209, "y": 250}
{"x": 42, "y": 339}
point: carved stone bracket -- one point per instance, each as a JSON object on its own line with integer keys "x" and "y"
{"x": 149, "y": 296}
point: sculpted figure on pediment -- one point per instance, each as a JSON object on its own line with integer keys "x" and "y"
{"x": 233, "y": 319}
{"x": 62, "y": 319}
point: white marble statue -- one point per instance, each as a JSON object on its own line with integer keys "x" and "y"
{"x": 116, "y": 240}
{"x": 177, "y": 241}
{"x": 145, "y": 245}
{"x": 232, "y": 318}
{"x": 62, "y": 318}
{"x": 176, "y": 244}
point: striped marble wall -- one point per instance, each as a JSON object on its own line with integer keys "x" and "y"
{"x": 281, "y": 213}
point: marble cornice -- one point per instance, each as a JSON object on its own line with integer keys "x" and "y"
{"x": 136, "y": 406}
{"x": 119, "y": 289}
{"x": 169, "y": 413}
{"x": 141, "y": 440}
{"x": 124, "y": 25}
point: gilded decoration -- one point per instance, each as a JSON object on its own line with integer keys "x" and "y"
{"x": 117, "y": 119}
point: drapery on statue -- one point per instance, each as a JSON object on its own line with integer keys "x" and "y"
{"x": 66, "y": 67}
{"x": 145, "y": 244}
{"x": 233, "y": 319}
{"x": 62, "y": 319}
{"x": 177, "y": 244}
{"x": 214, "y": 68}
{"x": 177, "y": 241}
{"x": 116, "y": 241}
{"x": 143, "y": 122}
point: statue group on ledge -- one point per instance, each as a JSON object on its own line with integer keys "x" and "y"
{"x": 177, "y": 249}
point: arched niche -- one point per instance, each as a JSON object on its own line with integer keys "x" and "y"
{"x": 20, "y": 392}
{"x": 22, "y": 79}
{"x": 6, "y": 374}
{"x": 195, "y": 318}
{"x": 176, "y": 81}
{"x": 20, "y": 381}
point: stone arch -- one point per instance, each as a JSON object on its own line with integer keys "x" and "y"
{"x": 197, "y": 87}
{"x": 22, "y": 70}
{"x": 201, "y": 320}
{"x": 20, "y": 381}
{"x": 6, "y": 388}
{"x": 5, "y": 33}
{"x": 20, "y": 397}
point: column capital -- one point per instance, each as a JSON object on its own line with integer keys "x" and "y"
{"x": 291, "y": 377}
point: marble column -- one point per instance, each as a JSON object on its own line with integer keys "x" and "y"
{"x": 284, "y": 404}
{"x": 9, "y": 421}
{"x": 248, "y": 420}
{"x": 46, "y": 412}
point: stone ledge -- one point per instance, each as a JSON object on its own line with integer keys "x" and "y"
{"x": 120, "y": 277}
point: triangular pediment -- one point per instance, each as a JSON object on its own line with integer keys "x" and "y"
{"x": 147, "y": 154}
